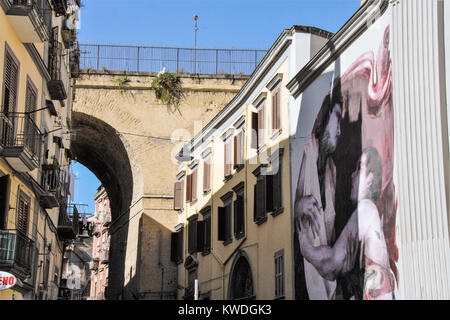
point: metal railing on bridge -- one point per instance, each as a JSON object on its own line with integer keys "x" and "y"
{"x": 174, "y": 60}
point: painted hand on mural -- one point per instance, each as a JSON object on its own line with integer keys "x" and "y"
{"x": 307, "y": 211}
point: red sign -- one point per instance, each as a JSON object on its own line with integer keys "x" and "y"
{"x": 7, "y": 280}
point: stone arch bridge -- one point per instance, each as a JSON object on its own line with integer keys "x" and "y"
{"x": 122, "y": 134}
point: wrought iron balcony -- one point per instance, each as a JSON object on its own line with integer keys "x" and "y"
{"x": 16, "y": 251}
{"x": 51, "y": 183}
{"x": 56, "y": 86}
{"x": 31, "y": 19}
{"x": 20, "y": 141}
{"x": 60, "y": 7}
{"x": 68, "y": 225}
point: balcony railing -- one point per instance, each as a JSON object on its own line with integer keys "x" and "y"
{"x": 16, "y": 251}
{"x": 38, "y": 13}
{"x": 56, "y": 86}
{"x": 68, "y": 224}
{"x": 20, "y": 138}
{"x": 51, "y": 183}
{"x": 60, "y": 7}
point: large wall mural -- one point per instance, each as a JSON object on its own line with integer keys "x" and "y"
{"x": 345, "y": 203}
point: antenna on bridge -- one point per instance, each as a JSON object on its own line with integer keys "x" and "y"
{"x": 195, "y": 43}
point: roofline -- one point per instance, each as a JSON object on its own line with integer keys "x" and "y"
{"x": 346, "y": 35}
{"x": 280, "y": 45}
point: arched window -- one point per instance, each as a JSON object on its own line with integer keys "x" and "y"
{"x": 241, "y": 282}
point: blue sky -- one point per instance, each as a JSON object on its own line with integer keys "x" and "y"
{"x": 252, "y": 24}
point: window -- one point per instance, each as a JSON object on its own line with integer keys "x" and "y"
{"x": 207, "y": 174}
{"x": 239, "y": 211}
{"x": 241, "y": 283}
{"x": 239, "y": 149}
{"x": 191, "y": 186}
{"x": 31, "y": 99}
{"x": 276, "y": 109}
{"x": 176, "y": 252}
{"x": 10, "y": 82}
{"x": 23, "y": 213}
{"x": 279, "y": 274}
{"x": 274, "y": 87}
{"x": 178, "y": 200}
{"x": 258, "y": 120}
{"x": 274, "y": 183}
{"x": 204, "y": 231}
{"x": 227, "y": 158}
{"x": 224, "y": 219}
{"x": 192, "y": 234}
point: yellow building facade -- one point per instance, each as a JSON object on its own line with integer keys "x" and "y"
{"x": 232, "y": 192}
{"x": 36, "y": 49}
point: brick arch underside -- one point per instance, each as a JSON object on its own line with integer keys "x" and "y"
{"x": 97, "y": 146}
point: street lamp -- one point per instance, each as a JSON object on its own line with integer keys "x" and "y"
{"x": 195, "y": 43}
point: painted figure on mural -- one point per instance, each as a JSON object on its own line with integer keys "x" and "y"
{"x": 333, "y": 228}
{"x": 315, "y": 192}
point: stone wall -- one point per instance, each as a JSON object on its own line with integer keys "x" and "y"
{"x": 122, "y": 134}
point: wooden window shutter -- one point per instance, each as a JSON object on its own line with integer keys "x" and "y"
{"x": 22, "y": 217}
{"x": 200, "y": 236}
{"x": 221, "y": 222}
{"x": 194, "y": 185}
{"x": 188, "y": 188}
{"x": 10, "y": 84}
{"x": 227, "y": 158}
{"x": 174, "y": 247}
{"x": 207, "y": 226}
{"x": 260, "y": 198}
{"x": 239, "y": 215}
{"x": 255, "y": 202}
{"x": 261, "y": 127}
{"x": 254, "y": 132}
{"x": 180, "y": 250}
{"x": 30, "y": 100}
{"x": 277, "y": 188}
{"x": 178, "y": 196}
{"x": 192, "y": 236}
{"x": 277, "y": 100}
{"x": 235, "y": 151}
{"x": 206, "y": 174}
{"x": 269, "y": 193}
{"x": 274, "y": 110}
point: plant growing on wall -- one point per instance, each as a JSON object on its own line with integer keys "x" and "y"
{"x": 122, "y": 81}
{"x": 167, "y": 87}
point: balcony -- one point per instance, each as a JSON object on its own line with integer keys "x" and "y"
{"x": 20, "y": 141}
{"x": 56, "y": 86}
{"x": 31, "y": 19}
{"x": 16, "y": 252}
{"x": 105, "y": 256}
{"x": 93, "y": 265}
{"x": 50, "y": 182}
{"x": 68, "y": 225}
{"x": 60, "y": 7}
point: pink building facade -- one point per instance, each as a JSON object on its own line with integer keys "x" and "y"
{"x": 100, "y": 245}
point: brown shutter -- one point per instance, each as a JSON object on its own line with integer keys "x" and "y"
{"x": 206, "y": 174}
{"x": 274, "y": 110}
{"x": 254, "y": 132}
{"x": 200, "y": 236}
{"x": 174, "y": 247}
{"x": 188, "y": 188}
{"x": 194, "y": 185}
{"x": 207, "y": 234}
{"x": 227, "y": 158}
{"x": 10, "y": 84}
{"x": 260, "y": 197}
{"x": 239, "y": 215}
{"x": 221, "y": 224}
{"x": 261, "y": 127}
{"x": 192, "y": 236}
{"x": 180, "y": 248}
{"x": 269, "y": 193}
{"x": 22, "y": 217}
{"x": 277, "y": 188}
